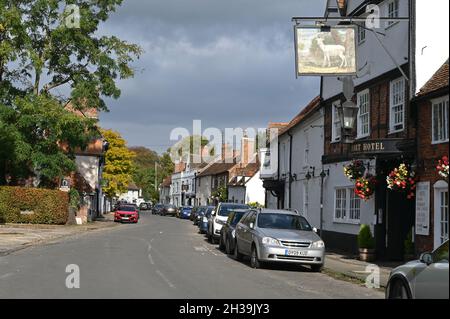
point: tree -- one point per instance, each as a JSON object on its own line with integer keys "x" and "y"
{"x": 119, "y": 167}
{"x": 41, "y": 54}
{"x": 49, "y": 54}
{"x": 40, "y": 139}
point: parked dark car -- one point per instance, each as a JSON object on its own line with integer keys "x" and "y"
{"x": 227, "y": 239}
{"x": 169, "y": 210}
{"x": 203, "y": 222}
{"x": 185, "y": 212}
{"x": 145, "y": 206}
{"x": 156, "y": 210}
{"x": 193, "y": 216}
{"x": 198, "y": 213}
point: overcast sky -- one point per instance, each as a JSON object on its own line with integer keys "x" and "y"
{"x": 228, "y": 63}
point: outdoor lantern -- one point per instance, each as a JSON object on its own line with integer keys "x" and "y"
{"x": 347, "y": 115}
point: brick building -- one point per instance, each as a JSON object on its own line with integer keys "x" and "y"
{"x": 432, "y": 108}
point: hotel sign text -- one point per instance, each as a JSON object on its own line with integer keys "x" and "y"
{"x": 386, "y": 146}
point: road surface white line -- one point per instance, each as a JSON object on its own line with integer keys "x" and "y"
{"x": 165, "y": 279}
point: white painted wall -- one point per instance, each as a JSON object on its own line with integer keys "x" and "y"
{"x": 338, "y": 179}
{"x": 236, "y": 194}
{"x": 255, "y": 192}
{"x": 308, "y": 138}
{"x": 432, "y": 34}
{"x": 203, "y": 189}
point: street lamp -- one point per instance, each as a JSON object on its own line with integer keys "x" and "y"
{"x": 347, "y": 115}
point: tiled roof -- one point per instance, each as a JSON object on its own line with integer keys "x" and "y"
{"x": 167, "y": 181}
{"x": 312, "y": 106}
{"x": 216, "y": 168}
{"x": 132, "y": 187}
{"x": 438, "y": 81}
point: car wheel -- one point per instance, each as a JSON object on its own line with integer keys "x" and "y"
{"x": 237, "y": 255}
{"x": 316, "y": 268}
{"x": 221, "y": 244}
{"x": 254, "y": 261}
{"x": 227, "y": 247}
{"x": 399, "y": 291}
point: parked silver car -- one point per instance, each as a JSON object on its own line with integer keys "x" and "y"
{"x": 270, "y": 236}
{"x": 426, "y": 278}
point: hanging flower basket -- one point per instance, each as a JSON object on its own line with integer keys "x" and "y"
{"x": 365, "y": 186}
{"x": 402, "y": 179}
{"x": 355, "y": 170}
{"x": 442, "y": 168}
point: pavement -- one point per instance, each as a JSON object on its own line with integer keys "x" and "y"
{"x": 341, "y": 265}
{"x": 161, "y": 257}
{"x": 14, "y": 237}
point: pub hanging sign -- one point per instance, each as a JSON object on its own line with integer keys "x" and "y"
{"x": 382, "y": 146}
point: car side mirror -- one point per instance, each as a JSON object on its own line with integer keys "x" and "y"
{"x": 315, "y": 230}
{"x": 252, "y": 226}
{"x": 426, "y": 258}
{"x": 213, "y": 213}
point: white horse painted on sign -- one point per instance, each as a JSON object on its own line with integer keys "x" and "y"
{"x": 330, "y": 51}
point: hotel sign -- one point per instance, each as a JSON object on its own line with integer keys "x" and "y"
{"x": 386, "y": 146}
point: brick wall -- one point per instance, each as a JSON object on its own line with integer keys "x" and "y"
{"x": 379, "y": 115}
{"x": 428, "y": 156}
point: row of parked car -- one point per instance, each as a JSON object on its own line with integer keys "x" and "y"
{"x": 265, "y": 235}
{"x": 272, "y": 236}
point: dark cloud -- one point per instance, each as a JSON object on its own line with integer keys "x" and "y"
{"x": 228, "y": 63}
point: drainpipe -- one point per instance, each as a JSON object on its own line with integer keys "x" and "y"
{"x": 290, "y": 168}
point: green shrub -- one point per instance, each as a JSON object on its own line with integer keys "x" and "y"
{"x": 49, "y": 206}
{"x": 365, "y": 238}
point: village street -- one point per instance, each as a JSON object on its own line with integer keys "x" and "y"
{"x": 158, "y": 258}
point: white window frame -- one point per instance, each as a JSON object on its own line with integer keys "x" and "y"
{"x": 350, "y": 197}
{"x": 394, "y": 104}
{"x": 439, "y": 188}
{"x": 335, "y": 134}
{"x": 393, "y": 14}
{"x": 360, "y": 95}
{"x": 444, "y": 103}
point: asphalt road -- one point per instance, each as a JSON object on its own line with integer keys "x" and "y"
{"x": 161, "y": 257}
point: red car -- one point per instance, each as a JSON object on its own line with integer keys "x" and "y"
{"x": 127, "y": 214}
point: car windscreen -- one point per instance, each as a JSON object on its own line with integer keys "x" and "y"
{"x": 127, "y": 209}
{"x": 225, "y": 210}
{"x": 236, "y": 218}
{"x": 283, "y": 221}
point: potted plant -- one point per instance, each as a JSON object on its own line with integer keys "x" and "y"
{"x": 366, "y": 244}
{"x": 409, "y": 248}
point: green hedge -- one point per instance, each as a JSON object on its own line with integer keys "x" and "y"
{"x": 49, "y": 206}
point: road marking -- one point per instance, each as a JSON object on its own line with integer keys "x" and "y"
{"x": 150, "y": 258}
{"x": 165, "y": 279}
{"x": 201, "y": 248}
{"x": 7, "y": 275}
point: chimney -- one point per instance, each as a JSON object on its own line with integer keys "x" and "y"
{"x": 248, "y": 150}
{"x": 227, "y": 153}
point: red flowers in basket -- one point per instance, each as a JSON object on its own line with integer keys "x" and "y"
{"x": 365, "y": 186}
{"x": 402, "y": 180}
{"x": 443, "y": 166}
